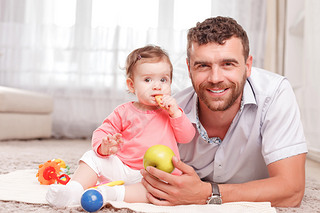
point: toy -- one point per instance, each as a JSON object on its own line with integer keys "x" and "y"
{"x": 49, "y": 172}
{"x": 63, "y": 167}
{"x": 92, "y": 199}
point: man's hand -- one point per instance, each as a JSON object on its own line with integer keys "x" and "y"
{"x": 167, "y": 190}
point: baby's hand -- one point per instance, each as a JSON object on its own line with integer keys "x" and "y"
{"x": 111, "y": 144}
{"x": 168, "y": 103}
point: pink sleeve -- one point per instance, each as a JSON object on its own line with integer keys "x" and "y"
{"x": 184, "y": 130}
{"x": 111, "y": 125}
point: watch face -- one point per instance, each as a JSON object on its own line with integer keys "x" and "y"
{"x": 215, "y": 200}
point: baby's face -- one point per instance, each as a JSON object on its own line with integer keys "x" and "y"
{"x": 149, "y": 80}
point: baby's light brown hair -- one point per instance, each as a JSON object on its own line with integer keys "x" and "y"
{"x": 147, "y": 54}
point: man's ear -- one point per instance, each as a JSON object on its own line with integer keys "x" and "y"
{"x": 188, "y": 65}
{"x": 249, "y": 65}
{"x": 130, "y": 85}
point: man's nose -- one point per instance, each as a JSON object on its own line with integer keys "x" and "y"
{"x": 215, "y": 75}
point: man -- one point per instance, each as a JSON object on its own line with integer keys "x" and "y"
{"x": 250, "y": 144}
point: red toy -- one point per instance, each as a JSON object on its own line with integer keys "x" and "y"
{"x": 49, "y": 173}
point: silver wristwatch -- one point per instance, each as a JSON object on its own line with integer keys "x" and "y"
{"x": 215, "y": 197}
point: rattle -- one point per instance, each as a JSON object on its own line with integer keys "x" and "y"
{"x": 49, "y": 173}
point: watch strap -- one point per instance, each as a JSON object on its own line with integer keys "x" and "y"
{"x": 215, "y": 197}
{"x": 215, "y": 189}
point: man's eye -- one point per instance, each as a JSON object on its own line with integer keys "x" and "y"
{"x": 202, "y": 66}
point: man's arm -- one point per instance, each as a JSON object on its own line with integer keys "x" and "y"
{"x": 284, "y": 187}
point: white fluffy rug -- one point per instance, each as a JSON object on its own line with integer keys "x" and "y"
{"x": 22, "y": 186}
{"x": 21, "y": 192}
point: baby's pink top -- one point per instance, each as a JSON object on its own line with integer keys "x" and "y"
{"x": 141, "y": 130}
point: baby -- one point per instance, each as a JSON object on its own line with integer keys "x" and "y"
{"x": 119, "y": 144}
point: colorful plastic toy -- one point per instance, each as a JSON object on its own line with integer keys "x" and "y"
{"x": 92, "y": 199}
{"x": 63, "y": 167}
{"x": 49, "y": 172}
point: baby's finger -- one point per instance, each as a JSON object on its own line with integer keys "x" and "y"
{"x": 117, "y": 135}
{"x": 105, "y": 140}
{"x": 109, "y": 136}
{"x": 113, "y": 150}
{"x": 120, "y": 141}
{"x": 113, "y": 142}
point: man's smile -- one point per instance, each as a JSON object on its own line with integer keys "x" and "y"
{"x": 217, "y": 91}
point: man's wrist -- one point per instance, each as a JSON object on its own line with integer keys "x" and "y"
{"x": 215, "y": 197}
{"x": 208, "y": 192}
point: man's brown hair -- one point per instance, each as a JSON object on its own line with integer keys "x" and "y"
{"x": 217, "y": 30}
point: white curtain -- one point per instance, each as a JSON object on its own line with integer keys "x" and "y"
{"x": 275, "y": 36}
{"x": 293, "y": 50}
{"x": 310, "y": 95}
{"x": 75, "y": 50}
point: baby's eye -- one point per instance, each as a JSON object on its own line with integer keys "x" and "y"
{"x": 164, "y": 80}
{"x": 147, "y": 80}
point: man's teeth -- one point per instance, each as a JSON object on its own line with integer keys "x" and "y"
{"x": 217, "y": 91}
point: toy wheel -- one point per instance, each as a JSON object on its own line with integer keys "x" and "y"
{"x": 48, "y": 172}
{"x": 63, "y": 179}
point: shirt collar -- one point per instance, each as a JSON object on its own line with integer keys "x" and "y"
{"x": 191, "y": 108}
{"x": 248, "y": 95}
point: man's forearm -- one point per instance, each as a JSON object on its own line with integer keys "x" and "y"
{"x": 261, "y": 191}
{"x": 284, "y": 188}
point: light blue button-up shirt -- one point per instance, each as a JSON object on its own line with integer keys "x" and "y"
{"x": 267, "y": 128}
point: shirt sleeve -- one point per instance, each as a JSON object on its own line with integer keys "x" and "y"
{"x": 111, "y": 125}
{"x": 184, "y": 130}
{"x": 281, "y": 130}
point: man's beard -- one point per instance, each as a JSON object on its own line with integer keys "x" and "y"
{"x": 220, "y": 103}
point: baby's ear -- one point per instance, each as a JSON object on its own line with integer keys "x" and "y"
{"x": 130, "y": 85}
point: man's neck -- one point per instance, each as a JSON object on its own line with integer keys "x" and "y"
{"x": 217, "y": 123}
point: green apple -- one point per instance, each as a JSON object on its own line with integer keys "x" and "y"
{"x": 160, "y": 157}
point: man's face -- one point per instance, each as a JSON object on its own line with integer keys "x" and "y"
{"x": 219, "y": 72}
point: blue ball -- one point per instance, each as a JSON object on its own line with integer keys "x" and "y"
{"x": 91, "y": 200}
